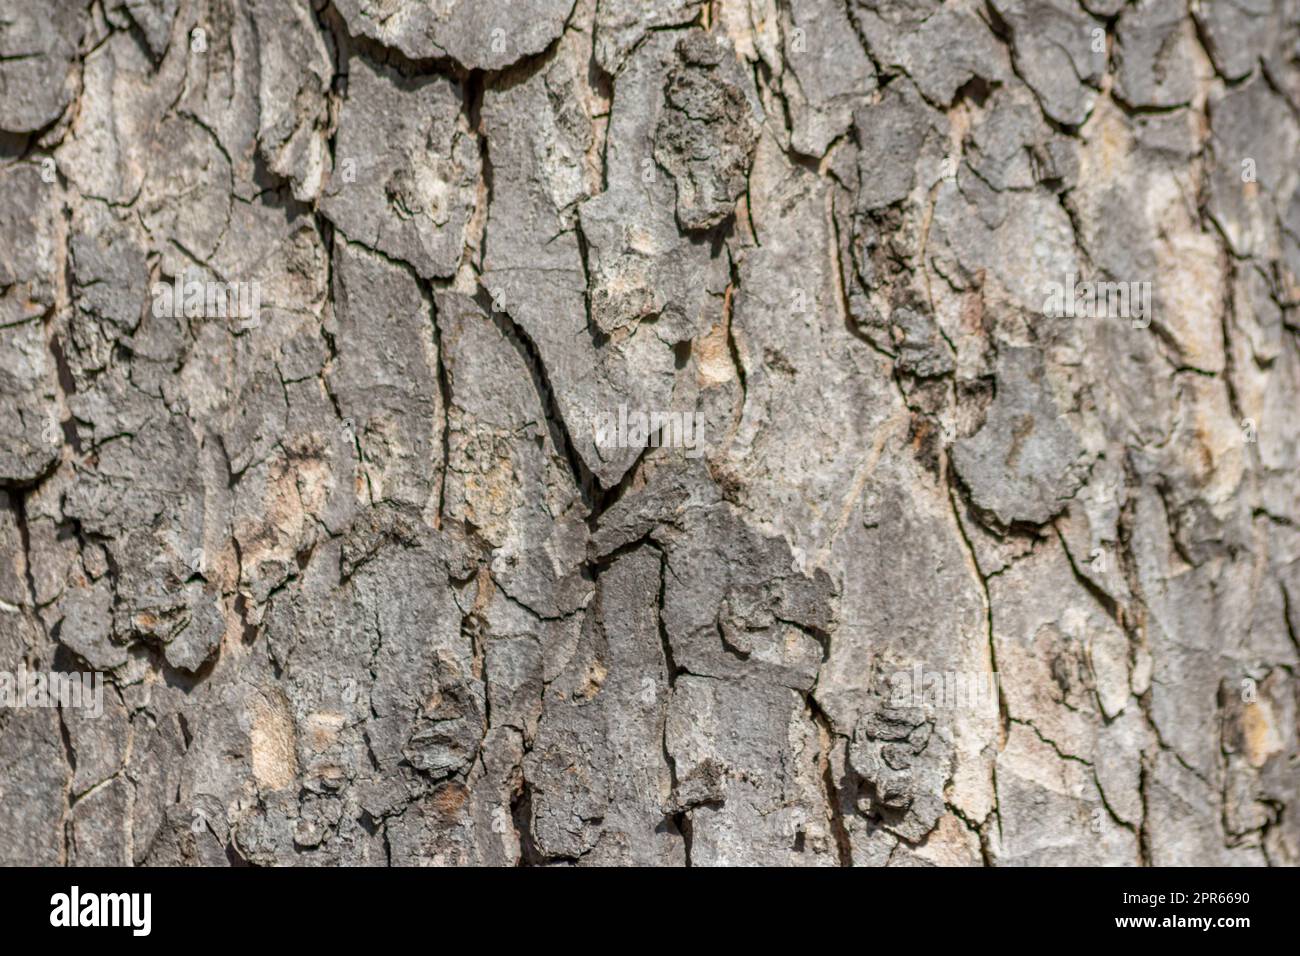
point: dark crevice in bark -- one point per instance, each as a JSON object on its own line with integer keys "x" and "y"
{"x": 586, "y": 483}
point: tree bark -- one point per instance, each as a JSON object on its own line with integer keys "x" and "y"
{"x": 777, "y": 432}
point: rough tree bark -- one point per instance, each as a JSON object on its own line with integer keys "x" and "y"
{"x": 383, "y": 569}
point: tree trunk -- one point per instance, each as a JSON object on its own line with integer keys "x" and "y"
{"x": 768, "y": 432}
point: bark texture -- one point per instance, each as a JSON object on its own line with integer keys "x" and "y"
{"x": 385, "y": 571}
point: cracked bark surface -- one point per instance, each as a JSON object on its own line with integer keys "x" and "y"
{"x": 366, "y": 588}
